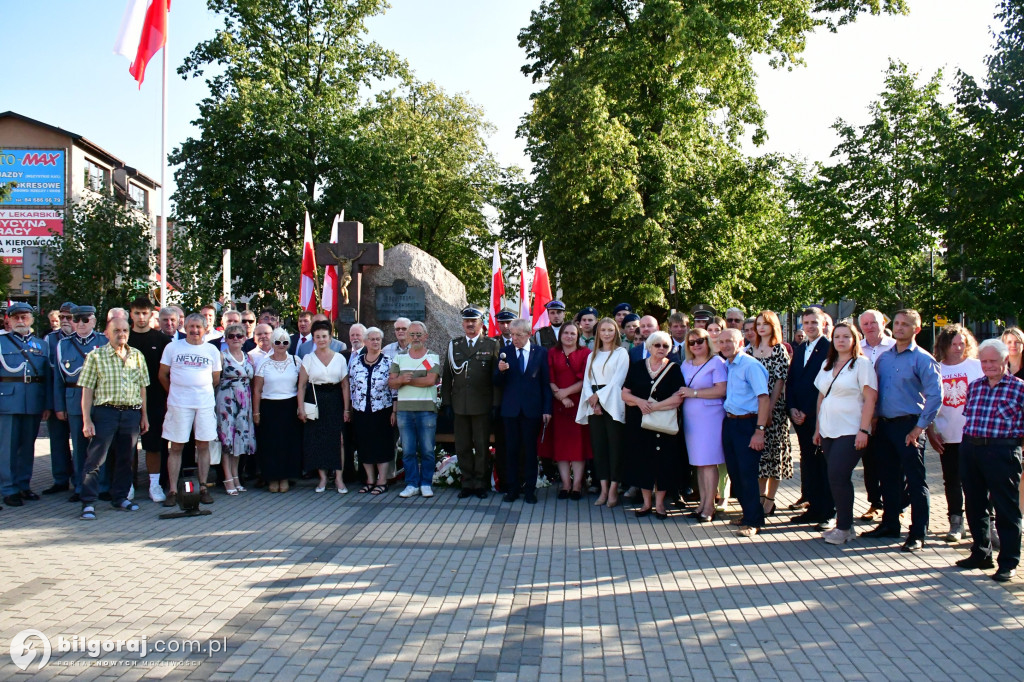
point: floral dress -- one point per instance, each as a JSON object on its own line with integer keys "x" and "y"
{"x": 776, "y": 458}
{"x": 234, "y": 406}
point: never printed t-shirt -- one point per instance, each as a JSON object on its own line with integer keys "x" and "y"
{"x": 192, "y": 367}
{"x": 416, "y": 398}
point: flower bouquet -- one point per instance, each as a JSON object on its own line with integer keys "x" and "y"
{"x": 447, "y": 473}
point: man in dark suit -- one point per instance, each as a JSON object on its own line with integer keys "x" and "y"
{"x": 304, "y": 322}
{"x": 648, "y": 325}
{"x": 522, "y": 372}
{"x": 802, "y": 403}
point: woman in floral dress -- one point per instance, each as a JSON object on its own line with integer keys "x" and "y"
{"x": 776, "y": 458}
{"x": 234, "y": 407}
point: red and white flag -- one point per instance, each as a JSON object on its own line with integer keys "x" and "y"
{"x": 497, "y": 293}
{"x": 330, "y": 293}
{"x": 307, "y": 284}
{"x": 524, "y": 293}
{"x": 143, "y": 33}
{"x": 541, "y": 291}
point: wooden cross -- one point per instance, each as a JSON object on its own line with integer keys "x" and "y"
{"x": 351, "y": 255}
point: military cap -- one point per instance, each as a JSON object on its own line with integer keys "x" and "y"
{"x": 702, "y": 311}
{"x": 622, "y": 306}
{"x": 471, "y": 313}
{"x": 632, "y": 317}
{"x": 505, "y": 316}
{"x": 589, "y": 311}
{"x": 83, "y": 310}
{"x": 67, "y": 307}
{"x": 554, "y": 305}
{"x": 18, "y": 307}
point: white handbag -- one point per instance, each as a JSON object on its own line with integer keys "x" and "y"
{"x": 312, "y": 409}
{"x": 662, "y": 421}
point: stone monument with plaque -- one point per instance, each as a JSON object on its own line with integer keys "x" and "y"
{"x": 351, "y": 256}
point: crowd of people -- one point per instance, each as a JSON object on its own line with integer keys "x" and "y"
{"x": 692, "y": 415}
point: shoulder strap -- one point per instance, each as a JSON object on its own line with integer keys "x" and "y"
{"x": 848, "y": 363}
{"x": 699, "y": 370}
{"x": 660, "y": 377}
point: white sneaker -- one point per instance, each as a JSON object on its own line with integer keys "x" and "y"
{"x": 409, "y": 491}
{"x": 156, "y": 493}
{"x": 426, "y": 491}
{"x": 131, "y": 492}
{"x": 839, "y": 537}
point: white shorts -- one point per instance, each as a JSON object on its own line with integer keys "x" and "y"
{"x": 178, "y": 423}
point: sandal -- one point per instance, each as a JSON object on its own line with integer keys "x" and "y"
{"x": 126, "y": 505}
{"x": 232, "y": 490}
{"x": 378, "y": 490}
{"x": 88, "y": 513}
{"x": 238, "y": 484}
{"x": 366, "y": 488}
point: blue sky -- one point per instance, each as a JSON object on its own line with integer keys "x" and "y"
{"x": 60, "y": 68}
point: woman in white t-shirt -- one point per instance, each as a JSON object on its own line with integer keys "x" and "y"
{"x": 956, "y": 351}
{"x": 274, "y": 411}
{"x": 847, "y": 391}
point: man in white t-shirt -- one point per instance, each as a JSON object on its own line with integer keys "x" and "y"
{"x": 189, "y": 370}
{"x": 874, "y": 343}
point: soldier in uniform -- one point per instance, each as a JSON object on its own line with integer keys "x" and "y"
{"x": 702, "y": 315}
{"x": 467, "y": 389}
{"x": 548, "y": 336}
{"x": 60, "y": 451}
{"x": 503, "y": 320}
{"x": 24, "y": 388}
{"x": 67, "y": 396}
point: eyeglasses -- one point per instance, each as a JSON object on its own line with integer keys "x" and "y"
{"x": 245, "y": 321}
{"x": 738, "y": 320}
{"x": 66, "y": 317}
{"x": 416, "y": 335}
{"x": 660, "y": 345}
{"x": 281, "y": 343}
{"x": 695, "y": 342}
{"x": 235, "y": 336}
{"x": 82, "y": 318}
{"x": 401, "y": 329}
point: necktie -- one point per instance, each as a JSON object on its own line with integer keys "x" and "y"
{"x": 522, "y": 363}
{"x": 472, "y": 342}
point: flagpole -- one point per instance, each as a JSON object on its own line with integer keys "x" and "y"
{"x": 163, "y": 180}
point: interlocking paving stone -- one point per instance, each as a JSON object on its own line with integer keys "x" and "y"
{"x": 328, "y": 587}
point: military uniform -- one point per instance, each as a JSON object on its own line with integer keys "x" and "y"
{"x": 67, "y": 397}
{"x": 60, "y": 451}
{"x": 24, "y": 394}
{"x": 467, "y": 387}
{"x": 548, "y": 336}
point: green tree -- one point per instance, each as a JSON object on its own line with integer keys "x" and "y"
{"x": 283, "y": 104}
{"x": 634, "y": 136}
{"x": 106, "y": 247}
{"x": 879, "y": 207}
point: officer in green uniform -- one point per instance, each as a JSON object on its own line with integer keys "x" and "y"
{"x": 467, "y": 389}
{"x": 548, "y": 336}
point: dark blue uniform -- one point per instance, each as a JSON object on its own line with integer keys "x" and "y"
{"x": 67, "y": 396}
{"x": 25, "y": 392}
{"x": 60, "y": 451}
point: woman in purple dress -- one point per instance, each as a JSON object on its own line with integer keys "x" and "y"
{"x": 704, "y": 378}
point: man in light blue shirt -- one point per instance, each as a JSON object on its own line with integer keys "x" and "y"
{"x": 909, "y": 396}
{"x": 747, "y": 409}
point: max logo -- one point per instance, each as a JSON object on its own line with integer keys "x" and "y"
{"x": 40, "y": 159}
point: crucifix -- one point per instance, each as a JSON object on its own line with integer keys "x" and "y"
{"x": 350, "y": 255}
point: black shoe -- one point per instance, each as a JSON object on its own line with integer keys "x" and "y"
{"x": 576, "y": 495}
{"x": 799, "y": 504}
{"x": 913, "y": 545}
{"x": 806, "y": 518}
{"x": 976, "y": 561}
{"x": 1004, "y": 576}
{"x": 659, "y": 515}
{"x": 75, "y": 498}
{"x": 29, "y": 495}
{"x": 57, "y": 488}
{"x": 882, "y": 532}
{"x": 13, "y": 500}
{"x": 465, "y": 492}
{"x": 510, "y": 497}
{"x": 530, "y": 498}
{"x": 481, "y": 493}
{"x": 563, "y": 494}
{"x": 643, "y": 512}
{"x": 106, "y": 497}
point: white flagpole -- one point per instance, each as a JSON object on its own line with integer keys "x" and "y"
{"x": 163, "y": 177}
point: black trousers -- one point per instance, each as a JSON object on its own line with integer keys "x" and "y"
{"x": 898, "y": 460}
{"x": 950, "y": 459}
{"x": 814, "y": 473}
{"x": 521, "y": 458}
{"x": 872, "y": 474}
{"x": 842, "y": 457}
{"x": 120, "y": 429}
{"x": 991, "y": 474}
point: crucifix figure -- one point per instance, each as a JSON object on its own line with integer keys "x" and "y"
{"x": 350, "y": 255}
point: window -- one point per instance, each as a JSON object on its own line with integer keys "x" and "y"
{"x": 137, "y": 195}
{"x": 95, "y": 177}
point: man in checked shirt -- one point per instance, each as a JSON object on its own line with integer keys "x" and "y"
{"x": 990, "y": 461}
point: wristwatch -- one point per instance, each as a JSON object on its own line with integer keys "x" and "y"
{"x": 761, "y": 427}
{"x": 865, "y": 432}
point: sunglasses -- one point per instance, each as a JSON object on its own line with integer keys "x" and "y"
{"x": 249, "y": 321}
{"x": 695, "y": 342}
{"x": 82, "y": 318}
{"x": 281, "y": 343}
{"x": 734, "y": 319}
{"x": 401, "y": 329}
{"x": 660, "y": 345}
{"x": 235, "y": 336}
{"x": 66, "y": 317}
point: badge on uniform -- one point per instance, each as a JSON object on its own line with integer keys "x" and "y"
{"x": 67, "y": 364}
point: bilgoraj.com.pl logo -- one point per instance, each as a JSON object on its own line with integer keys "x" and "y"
{"x": 28, "y": 644}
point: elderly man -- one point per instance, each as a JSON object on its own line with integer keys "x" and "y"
{"x": 61, "y": 465}
{"x": 264, "y": 347}
{"x": 356, "y": 336}
{"x": 113, "y": 383}
{"x": 909, "y": 396}
{"x": 734, "y": 318}
{"x": 402, "y": 336}
{"x": 249, "y": 322}
{"x": 414, "y": 375}
{"x": 467, "y": 388}
{"x": 227, "y": 319}
{"x": 990, "y": 461}
{"x": 189, "y": 371}
{"x": 67, "y": 393}
{"x": 874, "y": 343}
{"x": 548, "y": 336}
{"x": 747, "y": 409}
{"x": 151, "y": 343}
{"x": 168, "y": 317}
{"x": 25, "y": 375}
{"x": 526, "y": 400}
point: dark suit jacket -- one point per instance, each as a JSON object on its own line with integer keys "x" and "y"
{"x": 293, "y": 344}
{"x": 800, "y": 391}
{"x": 636, "y": 353}
{"x": 526, "y": 393}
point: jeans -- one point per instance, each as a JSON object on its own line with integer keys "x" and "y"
{"x": 606, "y": 441}
{"x": 991, "y": 474}
{"x": 120, "y": 427}
{"x": 744, "y": 465}
{"x": 60, "y": 452}
{"x": 17, "y": 451}
{"x": 418, "y": 429}
{"x": 842, "y": 458}
{"x": 897, "y": 459}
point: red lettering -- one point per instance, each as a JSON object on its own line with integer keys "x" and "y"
{"x": 32, "y": 159}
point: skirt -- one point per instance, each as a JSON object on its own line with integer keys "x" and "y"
{"x": 279, "y": 440}
{"x": 373, "y": 436}
{"x": 321, "y": 438}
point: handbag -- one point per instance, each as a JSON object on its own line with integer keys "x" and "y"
{"x": 312, "y": 409}
{"x": 662, "y": 421}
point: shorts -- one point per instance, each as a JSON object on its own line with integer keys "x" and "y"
{"x": 178, "y": 423}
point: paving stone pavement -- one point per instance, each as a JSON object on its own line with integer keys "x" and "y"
{"x": 299, "y": 586}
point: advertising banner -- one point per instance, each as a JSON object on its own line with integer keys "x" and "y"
{"x": 21, "y": 227}
{"x": 39, "y": 174}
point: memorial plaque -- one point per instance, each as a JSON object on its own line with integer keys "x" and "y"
{"x": 401, "y": 300}
{"x": 347, "y": 315}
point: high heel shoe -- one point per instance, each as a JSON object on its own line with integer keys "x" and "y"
{"x": 238, "y": 485}
{"x": 228, "y": 488}
{"x": 771, "y": 511}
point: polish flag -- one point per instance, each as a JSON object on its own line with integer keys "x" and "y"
{"x": 541, "y": 291}
{"x": 307, "y": 286}
{"x": 327, "y": 299}
{"x": 497, "y": 293}
{"x": 143, "y": 33}
{"x": 524, "y": 294}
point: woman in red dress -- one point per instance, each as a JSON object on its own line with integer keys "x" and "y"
{"x": 565, "y": 441}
